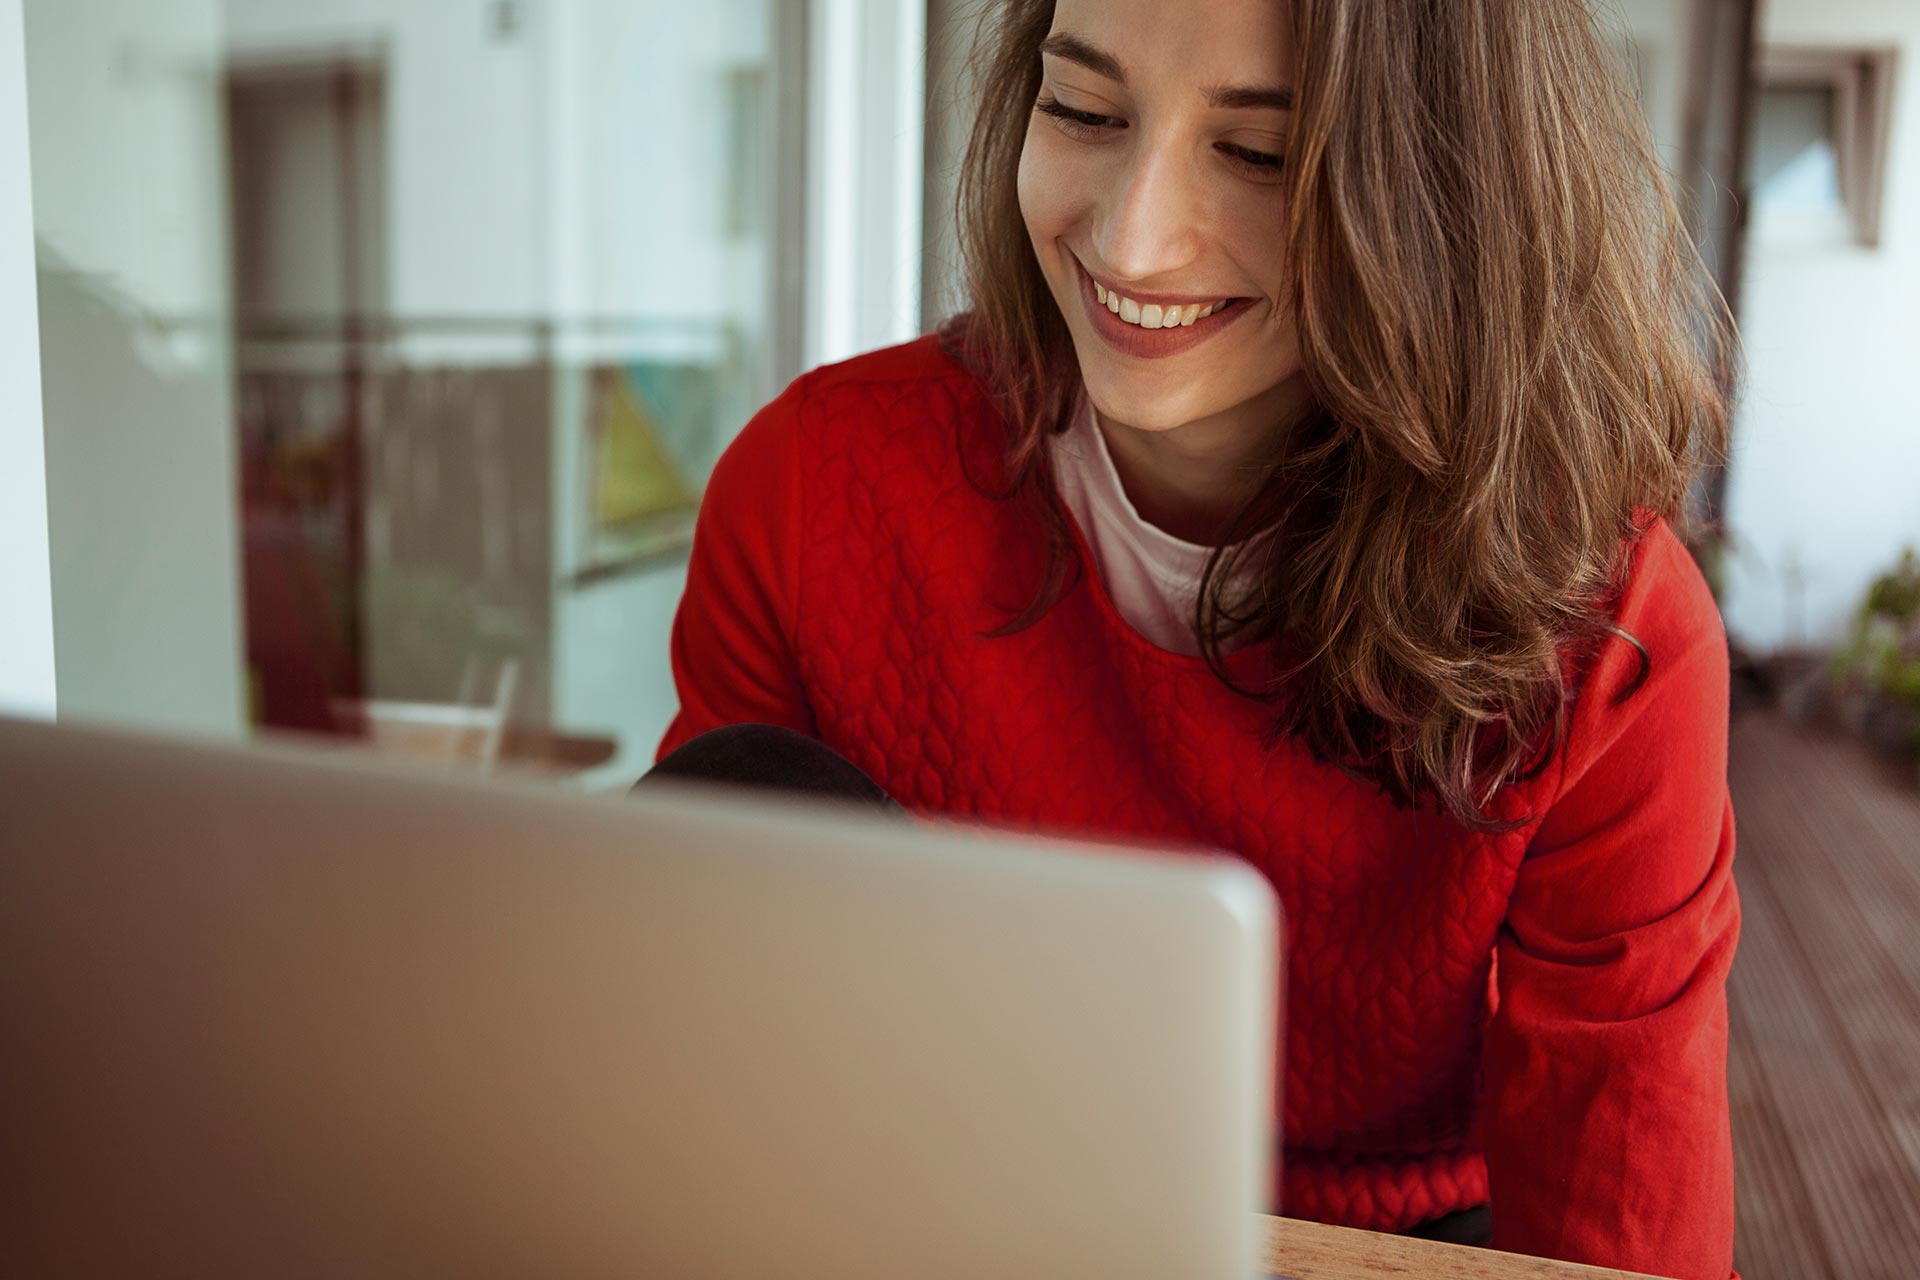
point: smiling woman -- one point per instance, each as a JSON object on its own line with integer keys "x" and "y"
{"x": 1302, "y": 481}
{"x": 1158, "y": 192}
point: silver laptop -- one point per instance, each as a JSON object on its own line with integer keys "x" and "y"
{"x": 277, "y": 1013}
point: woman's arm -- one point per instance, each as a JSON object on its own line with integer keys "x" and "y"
{"x": 733, "y": 660}
{"x": 1607, "y": 1130}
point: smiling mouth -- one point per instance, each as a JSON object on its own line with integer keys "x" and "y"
{"x": 1132, "y": 328}
{"x": 1151, "y": 314}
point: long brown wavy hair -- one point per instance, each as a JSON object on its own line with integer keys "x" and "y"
{"x": 1515, "y": 354}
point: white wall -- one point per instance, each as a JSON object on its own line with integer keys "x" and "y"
{"x": 530, "y": 176}
{"x": 1824, "y": 487}
{"x": 26, "y": 600}
{"x": 126, "y": 122}
{"x": 129, "y": 206}
{"x": 464, "y": 115}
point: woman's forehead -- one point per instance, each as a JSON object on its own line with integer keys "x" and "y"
{"x": 1237, "y": 42}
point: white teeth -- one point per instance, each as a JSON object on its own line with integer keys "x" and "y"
{"x": 1152, "y": 315}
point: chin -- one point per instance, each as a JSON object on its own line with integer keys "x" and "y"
{"x": 1144, "y": 413}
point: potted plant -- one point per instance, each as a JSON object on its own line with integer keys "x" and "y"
{"x": 1876, "y": 671}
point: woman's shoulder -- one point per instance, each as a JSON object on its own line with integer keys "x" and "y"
{"x": 872, "y": 411}
{"x": 866, "y": 412}
{"x": 889, "y": 371}
{"x": 1668, "y": 646}
{"x": 893, "y": 387}
{"x": 1666, "y": 603}
{"x": 1661, "y": 599}
{"x": 877, "y": 392}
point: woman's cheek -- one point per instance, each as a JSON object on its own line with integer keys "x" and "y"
{"x": 1052, "y": 179}
{"x": 1031, "y": 183}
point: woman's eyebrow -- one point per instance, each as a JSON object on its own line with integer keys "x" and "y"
{"x": 1072, "y": 48}
{"x": 1236, "y": 96}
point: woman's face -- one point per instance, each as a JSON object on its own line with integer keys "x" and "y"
{"x": 1152, "y": 168}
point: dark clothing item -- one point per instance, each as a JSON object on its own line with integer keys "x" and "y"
{"x": 1469, "y": 1226}
{"x": 772, "y": 758}
{"x": 778, "y": 759}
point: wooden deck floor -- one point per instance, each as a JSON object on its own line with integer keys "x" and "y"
{"x": 1824, "y": 1064}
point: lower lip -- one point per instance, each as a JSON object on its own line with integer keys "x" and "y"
{"x": 1150, "y": 344}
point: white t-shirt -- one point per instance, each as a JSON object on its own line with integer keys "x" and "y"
{"x": 1151, "y": 576}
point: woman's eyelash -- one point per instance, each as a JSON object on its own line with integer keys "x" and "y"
{"x": 1077, "y": 120}
{"x": 1258, "y": 160}
{"x": 1085, "y": 123}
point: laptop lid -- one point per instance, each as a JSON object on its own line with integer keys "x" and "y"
{"x": 274, "y": 1011}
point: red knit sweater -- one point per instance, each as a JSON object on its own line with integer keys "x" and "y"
{"x": 1536, "y": 1020}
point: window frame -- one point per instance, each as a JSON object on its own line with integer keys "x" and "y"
{"x": 1860, "y": 78}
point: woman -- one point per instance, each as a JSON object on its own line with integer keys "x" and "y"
{"x": 1299, "y": 484}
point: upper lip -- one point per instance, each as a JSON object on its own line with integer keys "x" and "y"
{"x": 1157, "y": 299}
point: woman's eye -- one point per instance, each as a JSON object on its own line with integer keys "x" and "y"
{"x": 1075, "y": 122}
{"x": 1259, "y": 162}
{"x": 1256, "y": 164}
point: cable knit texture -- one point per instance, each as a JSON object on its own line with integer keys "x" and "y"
{"x": 1536, "y": 1020}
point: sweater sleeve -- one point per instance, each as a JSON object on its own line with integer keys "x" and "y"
{"x": 732, "y": 643}
{"x": 1607, "y": 1128}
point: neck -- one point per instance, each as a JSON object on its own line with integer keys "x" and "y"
{"x": 1190, "y": 480}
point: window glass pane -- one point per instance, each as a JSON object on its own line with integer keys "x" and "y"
{"x": 388, "y": 345}
{"x": 1792, "y": 157}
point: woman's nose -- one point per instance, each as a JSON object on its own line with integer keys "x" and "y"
{"x": 1150, "y": 217}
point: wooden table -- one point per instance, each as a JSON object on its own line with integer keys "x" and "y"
{"x": 1309, "y": 1251}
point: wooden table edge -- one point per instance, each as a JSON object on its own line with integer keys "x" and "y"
{"x": 1314, "y": 1251}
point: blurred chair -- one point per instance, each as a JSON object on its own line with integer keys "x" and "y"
{"x": 463, "y": 732}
